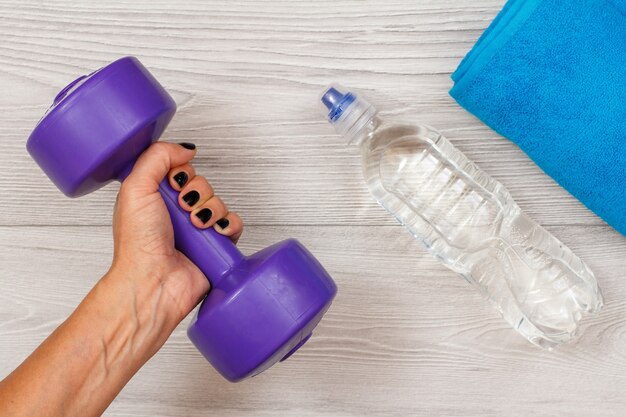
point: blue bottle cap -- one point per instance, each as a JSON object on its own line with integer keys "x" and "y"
{"x": 336, "y": 102}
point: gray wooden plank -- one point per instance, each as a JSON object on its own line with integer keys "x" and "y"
{"x": 405, "y": 336}
{"x": 247, "y": 77}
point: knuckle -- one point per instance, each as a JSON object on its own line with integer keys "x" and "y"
{"x": 205, "y": 183}
{"x": 160, "y": 150}
{"x": 159, "y": 146}
{"x": 193, "y": 182}
{"x": 219, "y": 203}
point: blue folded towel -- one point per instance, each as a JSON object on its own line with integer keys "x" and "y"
{"x": 550, "y": 75}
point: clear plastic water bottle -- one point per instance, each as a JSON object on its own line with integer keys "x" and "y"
{"x": 469, "y": 221}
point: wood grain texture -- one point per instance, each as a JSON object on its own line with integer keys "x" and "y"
{"x": 405, "y": 337}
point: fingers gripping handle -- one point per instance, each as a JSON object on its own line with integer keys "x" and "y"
{"x": 213, "y": 253}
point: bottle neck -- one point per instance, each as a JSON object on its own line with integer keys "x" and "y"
{"x": 365, "y": 133}
{"x": 357, "y": 121}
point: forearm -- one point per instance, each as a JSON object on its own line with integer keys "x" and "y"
{"x": 83, "y": 365}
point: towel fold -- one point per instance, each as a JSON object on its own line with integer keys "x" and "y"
{"x": 550, "y": 75}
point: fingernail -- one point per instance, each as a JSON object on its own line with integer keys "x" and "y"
{"x": 204, "y": 215}
{"x": 223, "y": 223}
{"x": 181, "y": 178}
{"x": 188, "y": 145}
{"x": 191, "y": 198}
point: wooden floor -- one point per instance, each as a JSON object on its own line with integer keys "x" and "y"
{"x": 405, "y": 336}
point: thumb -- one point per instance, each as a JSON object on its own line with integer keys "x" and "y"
{"x": 156, "y": 161}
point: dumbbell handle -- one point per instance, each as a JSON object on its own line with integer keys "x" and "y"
{"x": 213, "y": 253}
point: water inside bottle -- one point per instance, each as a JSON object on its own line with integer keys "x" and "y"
{"x": 470, "y": 222}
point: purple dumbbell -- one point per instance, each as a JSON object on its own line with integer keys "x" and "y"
{"x": 261, "y": 308}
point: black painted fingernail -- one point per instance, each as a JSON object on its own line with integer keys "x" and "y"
{"x": 223, "y": 223}
{"x": 191, "y": 198}
{"x": 181, "y": 178}
{"x": 204, "y": 215}
{"x": 188, "y": 145}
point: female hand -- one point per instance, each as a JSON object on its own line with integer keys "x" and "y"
{"x": 133, "y": 309}
{"x": 144, "y": 239}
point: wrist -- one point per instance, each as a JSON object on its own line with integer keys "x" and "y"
{"x": 137, "y": 313}
{"x": 169, "y": 287}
